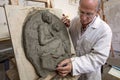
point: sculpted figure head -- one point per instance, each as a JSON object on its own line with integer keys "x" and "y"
{"x": 46, "y": 17}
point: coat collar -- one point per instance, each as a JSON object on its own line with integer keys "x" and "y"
{"x": 95, "y": 22}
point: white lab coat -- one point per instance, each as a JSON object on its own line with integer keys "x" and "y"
{"x": 92, "y": 48}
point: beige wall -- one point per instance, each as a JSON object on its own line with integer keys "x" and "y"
{"x": 67, "y": 8}
{"x": 112, "y": 11}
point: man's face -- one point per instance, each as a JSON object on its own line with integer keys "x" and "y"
{"x": 87, "y": 13}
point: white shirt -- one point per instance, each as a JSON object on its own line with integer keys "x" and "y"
{"x": 92, "y": 48}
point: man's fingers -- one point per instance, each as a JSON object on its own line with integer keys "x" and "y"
{"x": 63, "y": 14}
{"x": 65, "y": 20}
{"x": 63, "y": 74}
{"x": 64, "y": 67}
{"x": 63, "y": 63}
{"x": 64, "y": 71}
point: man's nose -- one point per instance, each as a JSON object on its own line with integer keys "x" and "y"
{"x": 83, "y": 17}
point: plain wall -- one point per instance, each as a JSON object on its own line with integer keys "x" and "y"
{"x": 68, "y": 8}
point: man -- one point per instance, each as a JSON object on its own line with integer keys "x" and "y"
{"x": 91, "y": 38}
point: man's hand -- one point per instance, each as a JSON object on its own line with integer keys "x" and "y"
{"x": 64, "y": 67}
{"x": 65, "y": 20}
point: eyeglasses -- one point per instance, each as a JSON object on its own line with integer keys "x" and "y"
{"x": 87, "y": 14}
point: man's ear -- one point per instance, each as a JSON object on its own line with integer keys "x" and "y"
{"x": 100, "y": 12}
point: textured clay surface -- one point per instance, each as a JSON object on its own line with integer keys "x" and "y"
{"x": 45, "y": 41}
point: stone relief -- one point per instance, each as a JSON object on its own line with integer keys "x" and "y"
{"x": 45, "y": 42}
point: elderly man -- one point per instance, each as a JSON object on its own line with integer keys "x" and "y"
{"x": 91, "y": 38}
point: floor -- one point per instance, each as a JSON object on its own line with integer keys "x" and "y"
{"x": 6, "y": 53}
{"x": 111, "y": 61}
{"x": 105, "y": 75}
{"x": 2, "y": 71}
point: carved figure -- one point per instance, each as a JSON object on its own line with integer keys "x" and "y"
{"x": 45, "y": 41}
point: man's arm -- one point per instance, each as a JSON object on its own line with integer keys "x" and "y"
{"x": 96, "y": 58}
{"x": 89, "y": 62}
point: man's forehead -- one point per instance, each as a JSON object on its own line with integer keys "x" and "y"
{"x": 88, "y": 3}
{"x": 94, "y": 1}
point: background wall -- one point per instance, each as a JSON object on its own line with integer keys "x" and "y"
{"x": 68, "y": 8}
{"x": 112, "y": 11}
